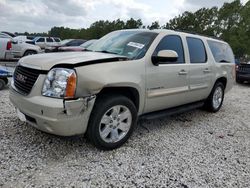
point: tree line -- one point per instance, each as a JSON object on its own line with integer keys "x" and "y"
{"x": 231, "y": 23}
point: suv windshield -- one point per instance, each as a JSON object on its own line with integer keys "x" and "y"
{"x": 132, "y": 44}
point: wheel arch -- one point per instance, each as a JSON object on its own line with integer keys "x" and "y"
{"x": 130, "y": 92}
{"x": 223, "y": 80}
{"x": 29, "y": 50}
{"x": 5, "y": 80}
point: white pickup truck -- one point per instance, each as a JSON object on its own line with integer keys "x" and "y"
{"x": 11, "y": 48}
{"x": 5, "y": 49}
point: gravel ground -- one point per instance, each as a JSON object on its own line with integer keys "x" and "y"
{"x": 195, "y": 149}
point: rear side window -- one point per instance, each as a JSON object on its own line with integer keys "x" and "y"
{"x": 197, "y": 50}
{"x": 40, "y": 40}
{"x": 222, "y": 52}
{"x": 75, "y": 43}
{"x": 172, "y": 42}
{"x": 49, "y": 40}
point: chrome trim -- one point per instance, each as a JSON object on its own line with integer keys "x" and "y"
{"x": 165, "y": 92}
{"x": 198, "y": 86}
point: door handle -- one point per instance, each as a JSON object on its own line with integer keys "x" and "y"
{"x": 183, "y": 72}
{"x": 207, "y": 70}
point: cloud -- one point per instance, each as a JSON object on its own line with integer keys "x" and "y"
{"x": 210, "y": 3}
{"x": 41, "y": 15}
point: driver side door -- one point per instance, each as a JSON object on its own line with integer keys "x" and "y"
{"x": 167, "y": 83}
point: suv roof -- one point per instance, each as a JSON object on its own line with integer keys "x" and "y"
{"x": 180, "y": 32}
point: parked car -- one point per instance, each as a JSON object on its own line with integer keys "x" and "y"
{"x": 21, "y": 49}
{"x": 242, "y": 73}
{"x": 82, "y": 47}
{"x": 12, "y": 48}
{"x": 8, "y": 33}
{"x": 3, "y": 35}
{"x": 4, "y": 75}
{"x": 44, "y": 42}
{"x": 23, "y": 38}
{"x": 125, "y": 75}
{"x": 65, "y": 43}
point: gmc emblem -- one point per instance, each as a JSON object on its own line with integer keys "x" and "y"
{"x": 21, "y": 78}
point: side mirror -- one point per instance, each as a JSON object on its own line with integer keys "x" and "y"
{"x": 165, "y": 56}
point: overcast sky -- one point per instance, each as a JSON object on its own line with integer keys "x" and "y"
{"x": 41, "y": 15}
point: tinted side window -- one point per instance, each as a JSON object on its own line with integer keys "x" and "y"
{"x": 57, "y": 40}
{"x": 40, "y": 40}
{"x": 75, "y": 43}
{"x": 172, "y": 42}
{"x": 222, "y": 52}
{"x": 49, "y": 39}
{"x": 197, "y": 50}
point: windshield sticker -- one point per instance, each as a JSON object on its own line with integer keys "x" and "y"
{"x": 136, "y": 45}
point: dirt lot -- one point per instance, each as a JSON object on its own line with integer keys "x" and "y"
{"x": 195, "y": 149}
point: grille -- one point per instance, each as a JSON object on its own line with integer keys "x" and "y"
{"x": 25, "y": 78}
{"x": 244, "y": 68}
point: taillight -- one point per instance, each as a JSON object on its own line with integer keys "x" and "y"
{"x": 9, "y": 45}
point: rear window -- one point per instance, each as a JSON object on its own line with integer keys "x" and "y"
{"x": 222, "y": 52}
{"x": 57, "y": 39}
{"x": 197, "y": 50}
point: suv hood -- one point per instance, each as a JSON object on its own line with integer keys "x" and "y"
{"x": 68, "y": 59}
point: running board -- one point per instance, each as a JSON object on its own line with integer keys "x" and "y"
{"x": 171, "y": 111}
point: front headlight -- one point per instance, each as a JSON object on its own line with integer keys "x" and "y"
{"x": 60, "y": 83}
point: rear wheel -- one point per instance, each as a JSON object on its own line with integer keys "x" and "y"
{"x": 112, "y": 121}
{"x": 2, "y": 84}
{"x": 29, "y": 52}
{"x": 216, "y": 98}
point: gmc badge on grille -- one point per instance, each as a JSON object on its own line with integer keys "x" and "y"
{"x": 21, "y": 78}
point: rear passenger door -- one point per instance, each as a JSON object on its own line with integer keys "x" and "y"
{"x": 49, "y": 41}
{"x": 200, "y": 71}
{"x": 41, "y": 42}
{"x": 167, "y": 84}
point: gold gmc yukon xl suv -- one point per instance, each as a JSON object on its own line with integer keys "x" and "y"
{"x": 125, "y": 75}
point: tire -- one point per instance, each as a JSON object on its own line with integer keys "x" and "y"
{"x": 210, "y": 104}
{"x": 2, "y": 84}
{"x": 29, "y": 52}
{"x": 104, "y": 125}
{"x": 5, "y": 80}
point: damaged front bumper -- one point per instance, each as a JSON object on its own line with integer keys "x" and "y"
{"x": 55, "y": 116}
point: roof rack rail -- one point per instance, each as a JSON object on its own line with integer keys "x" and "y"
{"x": 195, "y": 33}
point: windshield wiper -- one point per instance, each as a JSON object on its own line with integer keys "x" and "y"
{"x": 107, "y": 52}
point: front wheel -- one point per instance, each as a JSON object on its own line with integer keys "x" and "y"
{"x": 216, "y": 98}
{"x": 112, "y": 121}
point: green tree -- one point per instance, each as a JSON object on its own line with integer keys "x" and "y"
{"x": 154, "y": 25}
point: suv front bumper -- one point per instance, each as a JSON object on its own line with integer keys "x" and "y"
{"x": 55, "y": 116}
{"x": 243, "y": 76}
